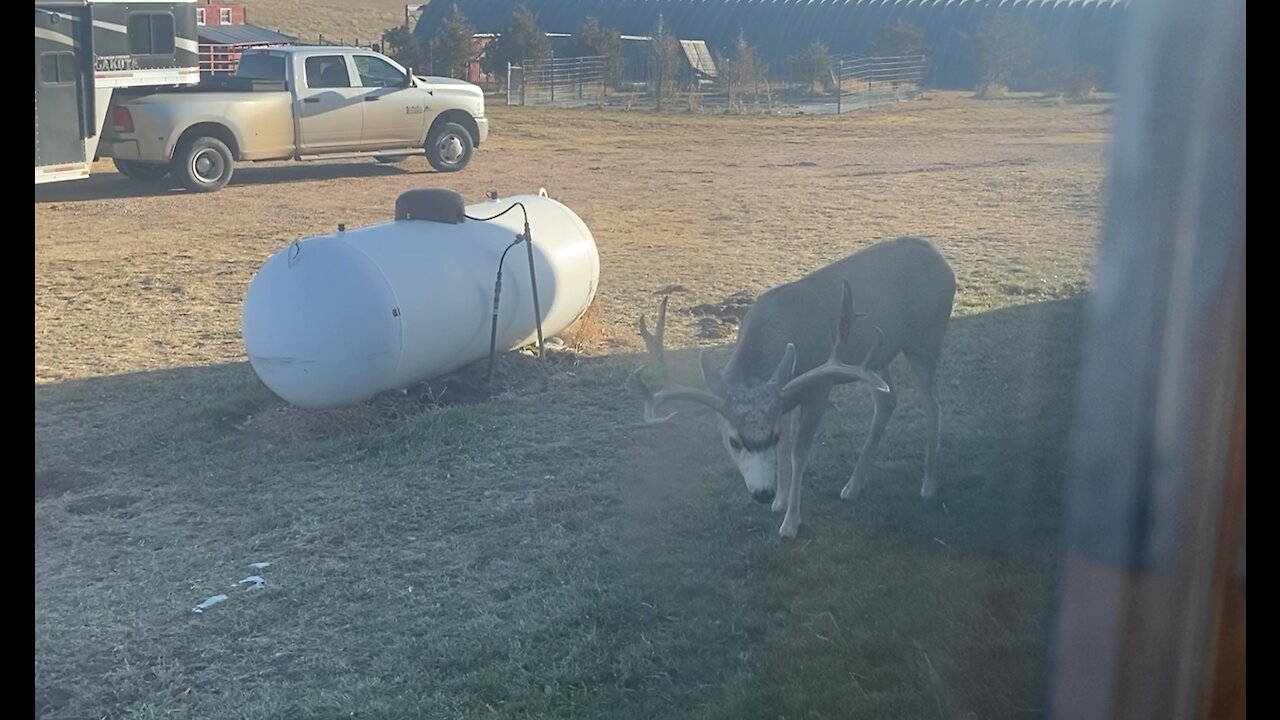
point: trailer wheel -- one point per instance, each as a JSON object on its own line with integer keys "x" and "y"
{"x": 146, "y": 172}
{"x": 202, "y": 163}
{"x": 449, "y": 147}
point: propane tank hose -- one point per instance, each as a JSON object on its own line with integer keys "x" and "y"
{"x": 527, "y": 238}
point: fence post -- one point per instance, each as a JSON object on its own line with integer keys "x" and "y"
{"x": 406, "y": 12}
{"x": 728, "y": 78}
{"x": 839, "y": 85}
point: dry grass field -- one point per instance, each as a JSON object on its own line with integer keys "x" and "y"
{"x": 538, "y": 554}
{"x": 364, "y": 20}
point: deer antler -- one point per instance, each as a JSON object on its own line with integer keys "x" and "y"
{"x": 834, "y": 370}
{"x": 667, "y": 391}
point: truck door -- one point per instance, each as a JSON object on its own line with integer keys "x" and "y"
{"x": 60, "y": 122}
{"x": 394, "y": 115}
{"x": 329, "y": 106}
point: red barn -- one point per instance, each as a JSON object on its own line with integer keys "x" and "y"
{"x": 224, "y": 34}
{"x": 211, "y": 14}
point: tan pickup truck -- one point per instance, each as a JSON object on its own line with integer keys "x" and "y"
{"x": 300, "y": 103}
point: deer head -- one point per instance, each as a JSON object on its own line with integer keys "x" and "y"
{"x": 749, "y": 415}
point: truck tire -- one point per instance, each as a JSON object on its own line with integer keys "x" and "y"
{"x": 390, "y": 159}
{"x": 202, "y": 163}
{"x": 449, "y": 147}
{"x": 145, "y": 172}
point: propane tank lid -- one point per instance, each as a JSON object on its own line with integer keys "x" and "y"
{"x": 435, "y": 204}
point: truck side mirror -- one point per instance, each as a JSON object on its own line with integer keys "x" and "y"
{"x": 408, "y": 77}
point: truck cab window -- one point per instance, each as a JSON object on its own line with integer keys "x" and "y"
{"x": 327, "y": 71}
{"x": 151, "y": 34}
{"x": 261, "y": 66}
{"x": 376, "y": 72}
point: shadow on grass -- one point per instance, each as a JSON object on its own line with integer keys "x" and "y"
{"x": 594, "y": 567}
{"x": 113, "y": 185}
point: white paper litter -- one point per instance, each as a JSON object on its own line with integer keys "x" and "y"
{"x": 256, "y": 581}
{"x": 209, "y": 603}
{"x": 259, "y": 565}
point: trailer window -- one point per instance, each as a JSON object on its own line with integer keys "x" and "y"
{"x": 327, "y": 71}
{"x": 151, "y": 34}
{"x": 57, "y": 68}
{"x": 261, "y": 66}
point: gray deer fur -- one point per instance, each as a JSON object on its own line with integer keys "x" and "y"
{"x": 800, "y": 339}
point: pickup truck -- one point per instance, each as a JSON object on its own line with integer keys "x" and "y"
{"x": 295, "y": 102}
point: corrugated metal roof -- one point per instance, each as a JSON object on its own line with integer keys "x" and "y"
{"x": 241, "y": 35}
{"x": 699, "y": 57}
{"x": 1088, "y": 32}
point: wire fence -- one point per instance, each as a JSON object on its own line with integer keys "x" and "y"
{"x": 861, "y": 82}
{"x": 558, "y": 81}
{"x": 847, "y": 83}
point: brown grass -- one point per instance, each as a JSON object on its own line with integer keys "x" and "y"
{"x": 337, "y": 20}
{"x": 587, "y": 333}
{"x": 718, "y": 204}
{"x": 538, "y": 554}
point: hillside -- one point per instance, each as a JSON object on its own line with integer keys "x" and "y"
{"x": 346, "y": 20}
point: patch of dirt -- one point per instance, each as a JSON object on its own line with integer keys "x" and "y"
{"x": 720, "y": 321}
{"x": 52, "y": 483}
{"x": 514, "y": 373}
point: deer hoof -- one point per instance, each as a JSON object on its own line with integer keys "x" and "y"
{"x": 788, "y": 529}
{"x": 851, "y": 490}
{"x": 779, "y": 504}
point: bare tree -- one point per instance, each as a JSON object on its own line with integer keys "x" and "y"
{"x": 596, "y": 41}
{"x": 742, "y": 68}
{"x": 664, "y": 61}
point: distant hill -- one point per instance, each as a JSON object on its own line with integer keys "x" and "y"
{"x": 346, "y": 20}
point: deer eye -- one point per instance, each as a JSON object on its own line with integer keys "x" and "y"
{"x": 735, "y": 443}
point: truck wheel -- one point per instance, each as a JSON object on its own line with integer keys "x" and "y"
{"x": 146, "y": 172}
{"x": 390, "y": 159}
{"x": 202, "y": 164}
{"x": 449, "y": 147}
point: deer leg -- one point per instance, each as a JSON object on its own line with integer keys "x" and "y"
{"x": 806, "y": 427}
{"x": 925, "y": 371}
{"x": 786, "y": 428}
{"x": 885, "y": 405}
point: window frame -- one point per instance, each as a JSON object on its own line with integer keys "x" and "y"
{"x": 151, "y": 33}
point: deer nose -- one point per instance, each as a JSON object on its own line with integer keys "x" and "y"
{"x": 763, "y": 496}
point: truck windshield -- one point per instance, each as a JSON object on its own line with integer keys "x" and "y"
{"x": 261, "y": 66}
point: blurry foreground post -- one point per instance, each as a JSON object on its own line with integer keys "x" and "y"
{"x": 1150, "y": 613}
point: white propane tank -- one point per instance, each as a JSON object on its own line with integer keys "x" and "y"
{"x": 336, "y": 319}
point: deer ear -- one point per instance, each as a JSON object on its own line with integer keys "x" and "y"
{"x": 712, "y": 377}
{"x": 786, "y": 367}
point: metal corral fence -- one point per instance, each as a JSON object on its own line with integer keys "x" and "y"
{"x": 853, "y": 82}
{"x": 862, "y": 82}
{"x": 558, "y": 81}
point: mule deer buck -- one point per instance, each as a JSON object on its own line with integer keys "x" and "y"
{"x": 799, "y": 340}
